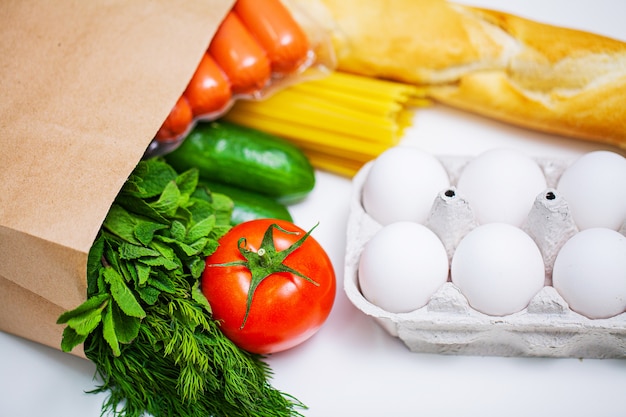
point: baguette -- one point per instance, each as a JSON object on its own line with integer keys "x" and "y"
{"x": 534, "y": 75}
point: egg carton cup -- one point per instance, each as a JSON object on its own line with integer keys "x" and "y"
{"x": 447, "y": 324}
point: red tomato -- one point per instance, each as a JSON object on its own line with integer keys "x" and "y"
{"x": 292, "y": 299}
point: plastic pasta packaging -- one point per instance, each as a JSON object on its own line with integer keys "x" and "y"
{"x": 259, "y": 48}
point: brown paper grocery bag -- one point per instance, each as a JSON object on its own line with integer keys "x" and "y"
{"x": 84, "y": 87}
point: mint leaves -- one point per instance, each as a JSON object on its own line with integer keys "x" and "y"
{"x": 158, "y": 226}
{"x": 146, "y": 324}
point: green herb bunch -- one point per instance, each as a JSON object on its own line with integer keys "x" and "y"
{"x": 146, "y": 325}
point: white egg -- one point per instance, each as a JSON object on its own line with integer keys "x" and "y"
{"x": 402, "y": 266}
{"x": 501, "y": 186}
{"x": 498, "y": 268}
{"x": 590, "y": 273}
{"x": 594, "y": 187}
{"x": 402, "y": 185}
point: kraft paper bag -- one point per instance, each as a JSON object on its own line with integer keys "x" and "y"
{"x": 84, "y": 87}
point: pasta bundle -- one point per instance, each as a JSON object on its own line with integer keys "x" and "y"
{"x": 340, "y": 121}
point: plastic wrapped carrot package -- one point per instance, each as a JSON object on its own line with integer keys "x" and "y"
{"x": 260, "y": 47}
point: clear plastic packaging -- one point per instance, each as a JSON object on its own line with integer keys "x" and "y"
{"x": 223, "y": 77}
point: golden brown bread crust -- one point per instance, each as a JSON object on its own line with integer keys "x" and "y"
{"x": 516, "y": 70}
{"x": 561, "y": 81}
{"x": 421, "y": 41}
{"x": 596, "y": 115}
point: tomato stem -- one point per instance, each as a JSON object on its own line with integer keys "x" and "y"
{"x": 267, "y": 261}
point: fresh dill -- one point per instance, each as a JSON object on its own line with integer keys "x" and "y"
{"x": 147, "y": 326}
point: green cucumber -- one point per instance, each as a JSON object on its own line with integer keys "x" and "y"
{"x": 247, "y": 158}
{"x": 249, "y": 205}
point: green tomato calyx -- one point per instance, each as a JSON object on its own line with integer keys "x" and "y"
{"x": 267, "y": 261}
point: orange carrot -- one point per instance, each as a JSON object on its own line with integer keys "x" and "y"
{"x": 277, "y": 31}
{"x": 240, "y": 56}
{"x": 208, "y": 90}
{"x": 176, "y": 123}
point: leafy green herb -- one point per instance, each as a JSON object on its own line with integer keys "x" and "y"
{"x": 146, "y": 324}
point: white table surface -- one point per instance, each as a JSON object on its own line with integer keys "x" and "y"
{"x": 352, "y": 367}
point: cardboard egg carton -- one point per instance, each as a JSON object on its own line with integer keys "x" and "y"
{"x": 547, "y": 327}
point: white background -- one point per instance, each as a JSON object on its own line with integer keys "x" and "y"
{"x": 352, "y": 367}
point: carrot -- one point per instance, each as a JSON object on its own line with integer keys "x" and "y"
{"x": 240, "y": 56}
{"x": 277, "y": 31}
{"x": 208, "y": 90}
{"x": 176, "y": 123}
